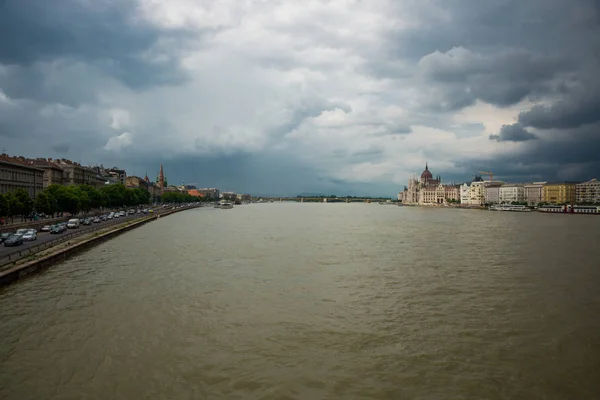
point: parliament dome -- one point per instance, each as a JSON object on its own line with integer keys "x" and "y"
{"x": 426, "y": 175}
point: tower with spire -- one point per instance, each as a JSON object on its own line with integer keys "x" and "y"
{"x": 161, "y": 178}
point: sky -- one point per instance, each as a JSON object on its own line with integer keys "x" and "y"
{"x": 281, "y": 97}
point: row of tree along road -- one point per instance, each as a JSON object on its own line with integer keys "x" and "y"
{"x": 74, "y": 199}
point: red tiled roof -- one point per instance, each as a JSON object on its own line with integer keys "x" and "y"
{"x": 42, "y": 162}
{"x": 21, "y": 161}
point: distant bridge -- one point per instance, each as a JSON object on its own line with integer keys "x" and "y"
{"x": 328, "y": 199}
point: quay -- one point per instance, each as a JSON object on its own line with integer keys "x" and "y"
{"x": 19, "y": 267}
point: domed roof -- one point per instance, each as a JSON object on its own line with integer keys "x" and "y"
{"x": 426, "y": 174}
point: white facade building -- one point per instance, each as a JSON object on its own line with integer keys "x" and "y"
{"x": 510, "y": 193}
{"x": 476, "y": 193}
{"x": 464, "y": 194}
{"x": 588, "y": 192}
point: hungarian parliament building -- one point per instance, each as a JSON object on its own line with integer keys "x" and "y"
{"x": 428, "y": 190}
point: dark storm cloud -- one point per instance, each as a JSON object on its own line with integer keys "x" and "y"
{"x": 548, "y": 26}
{"x": 99, "y": 32}
{"x": 264, "y": 174}
{"x": 501, "y": 79}
{"x": 498, "y": 52}
{"x": 30, "y": 128}
{"x": 57, "y": 82}
{"x": 513, "y": 133}
{"x": 573, "y": 157}
{"x": 580, "y": 106}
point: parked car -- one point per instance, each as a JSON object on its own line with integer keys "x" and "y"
{"x": 46, "y": 228}
{"x": 4, "y": 236}
{"x": 14, "y": 240}
{"x": 30, "y": 235}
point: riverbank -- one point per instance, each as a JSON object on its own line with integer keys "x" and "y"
{"x": 38, "y": 261}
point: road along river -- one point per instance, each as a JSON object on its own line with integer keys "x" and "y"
{"x": 315, "y": 301}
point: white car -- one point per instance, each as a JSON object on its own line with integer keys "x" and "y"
{"x": 30, "y": 235}
{"x": 46, "y": 228}
{"x": 73, "y": 223}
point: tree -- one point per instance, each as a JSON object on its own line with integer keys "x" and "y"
{"x": 96, "y": 198}
{"x": 141, "y": 196}
{"x": 178, "y": 197}
{"x": 13, "y": 205}
{"x": 3, "y": 206}
{"x": 26, "y": 204}
{"x": 44, "y": 203}
{"x": 84, "y": 199}
{"x": 67, "y": 198}
{"x": 116, "y": 195}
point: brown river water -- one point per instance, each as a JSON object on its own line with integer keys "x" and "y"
{"x": 315, "y": 301}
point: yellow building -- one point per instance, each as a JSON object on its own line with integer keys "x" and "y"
{"x": 559, "y": 193}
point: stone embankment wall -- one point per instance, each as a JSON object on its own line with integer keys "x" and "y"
{"x": 20, "y": 271}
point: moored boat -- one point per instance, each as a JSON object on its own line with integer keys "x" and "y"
{"x": 570, "y": 209}
{"x": 225, "y": 205}
{"x": 510, "y": 207}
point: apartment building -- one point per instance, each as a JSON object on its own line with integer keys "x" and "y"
{"x": 17, "y": 173}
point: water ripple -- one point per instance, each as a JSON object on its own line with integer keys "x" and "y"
{"x": 315, "y": 301}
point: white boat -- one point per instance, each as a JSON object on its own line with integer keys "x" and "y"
{"x": 510, "y": 207}
{"x": 225, "y": 205}
{"x": 570, "y": 209}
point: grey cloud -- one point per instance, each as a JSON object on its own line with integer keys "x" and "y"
{"x": 61, "y": 148}
{"x": 501, "y": 79}
{"x": 67, "y": 83}
{"x": 545, "y": 25}
{"x": 297, "y": 110}
{"x": 75, "y": 52}
{"x": 580, "y": 106}
{"x": 98, "y": 32}
{"x": 467, "y": 130}
{"x": 369, "y": 152}
{"x": 27, "y": 128}
{"x": 513, "y": 133}
{"x": 269, "y": 174}
{"x": 547, "y": 159}
{"x": 387, "y": 129}
{"x": 497, "y": 52}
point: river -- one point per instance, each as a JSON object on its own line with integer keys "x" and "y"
{"x": 315, "y": 301}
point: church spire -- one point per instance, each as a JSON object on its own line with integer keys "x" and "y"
{"x": 161, "y": 178}
{"x": 426, "y": 167}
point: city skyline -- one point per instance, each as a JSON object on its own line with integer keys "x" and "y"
{"x": 281, "y": 98}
